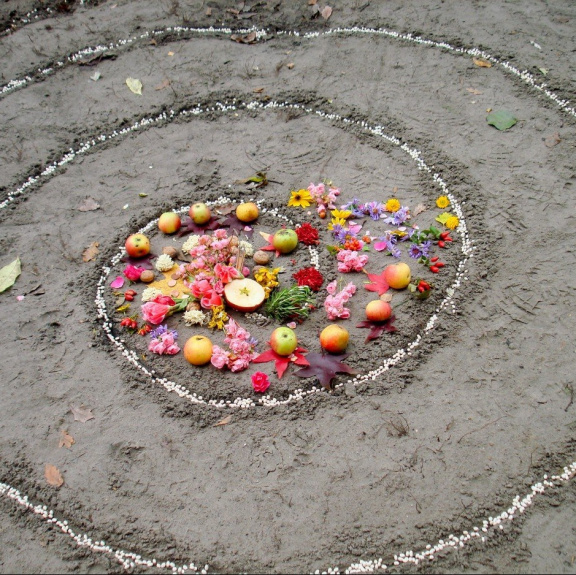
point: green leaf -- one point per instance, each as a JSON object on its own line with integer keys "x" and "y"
{"x": 501, "y": 120}
{"x": 443, "y": 218}
{"x": 9, "y": 274}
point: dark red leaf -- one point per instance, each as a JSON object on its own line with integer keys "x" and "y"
{"x": 325, "y": 367}
{"x": 378, "y": 327}
{"x": 190, "y": 227}
{"x": 234, "y": 224}
{"x": 143, "y": 262}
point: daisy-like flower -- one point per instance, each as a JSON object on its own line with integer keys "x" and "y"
{"x": 452, "y": 222}
{"x": 420, "y": 250}
{"x": 190, "y": 243}
{"x": 341, "y": 214}
{"x": 194, "y": 317}
{"x": 300, "y": 199}
{"x": 392, "y": 205}
{"x": 336, "y": 222}
{"x": 442, "y": 202}
{"x": 150, "y": 293}
{"x": 164, "y": 263}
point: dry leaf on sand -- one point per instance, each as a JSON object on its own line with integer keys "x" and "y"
{"x": 552, "y": 140}
{"x": 81, "y": 414}
{"x": 135, "y": 85}
{"x": 326, "y": 12}
{"x": 163, "y": 85}
{"x": 482, "y": 63}
{"x": 66, "y": 440}
{"x": 88, "y": 205}
{"x": 53, "y": 476}
{"x": 90, "y": 252}
{"x": 224, "y": 421}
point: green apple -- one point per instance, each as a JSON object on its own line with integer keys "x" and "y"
{"x": 200, "y": 213}
{"x": 283, "y": 341}
{"x": 285, "y": 241}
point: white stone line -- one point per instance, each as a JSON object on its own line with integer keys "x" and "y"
{"x": 523, "y": 75}
{"x": 129, "y": 560}
{"x": 299, "y": 394}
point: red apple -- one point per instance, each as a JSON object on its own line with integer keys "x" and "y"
{"x": 283, "y": 341}
{"x": 169, "y": 222}
{"x": 334, "y": 338}
{"x": 244, "y": 295}
{"x": 137, "y": 246}
{"x": 200, "y": 213}
{"x": 285, "y": 241}
{"x": 398, "y": 275}
{"x": 378, "y": 310}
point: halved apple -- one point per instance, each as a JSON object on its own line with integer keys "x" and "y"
{"x": 244, "y": 295}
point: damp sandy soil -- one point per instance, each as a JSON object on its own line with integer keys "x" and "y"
{"x": 485, "y": 401}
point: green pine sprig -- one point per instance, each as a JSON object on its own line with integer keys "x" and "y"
{"x": 293, "y": 303}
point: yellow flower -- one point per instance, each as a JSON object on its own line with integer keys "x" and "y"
{"x": 341, "y": 214}
{"x": 392, "y": 205}
{"x": 452, "y": 222}
{"x": 335, "y": 222}
{"x": 300, "y": 199}
{"x": 442, "y": 202}
{"x": 219, "y": 317}
{"x": 268, "y": 279}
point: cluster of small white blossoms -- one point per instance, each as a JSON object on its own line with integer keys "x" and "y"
{"x": 523, "y": 75}
{"x": 126, "y": 559}
{"x": 164, "y": 263}
{"x": 129, "y": 560}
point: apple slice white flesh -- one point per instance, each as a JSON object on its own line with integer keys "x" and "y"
{"x": 244, "y": 295}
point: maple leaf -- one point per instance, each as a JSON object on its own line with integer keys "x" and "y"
{"x": 90, "y": 252}
{"x": 282, "y": 361}
{"x": 270, "y": 247}
{"x": 189, "y": 226}
{"x": 234, "y": 224}
{"x": 377, "y": 283}
{"x": 66, "y": 440}
{"x": 378, "y": 327}
{"x": 143, "y": 262}
{"x": 81, "y": 414}
{"x": 53, "y": 476}
{"x": 325, "y": 367}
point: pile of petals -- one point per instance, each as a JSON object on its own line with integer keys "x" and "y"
{"x": 241, "y": 349}
{"x": 310, "y": 277}
{"x": 163, "y": 341}
{"x": 334, "y": 302}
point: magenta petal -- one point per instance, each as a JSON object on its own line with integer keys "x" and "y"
{"x": 117, "y": 283}
{"x": 379, "y": 246}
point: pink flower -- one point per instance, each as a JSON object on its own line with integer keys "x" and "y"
{"x": 226, "y": 273}
{"x": 349, "y": 261}
{"x": 117, "y": 283}
{"x": 154, "y": 312}
{"x": 260, "y": 382}
{"x": 220, "y": 233}
{"x": 133, "y": 273}
{"x": 219, "y": 357}
{"x": 201, "y": 288}
{"x": 164, "y": 299}
{"x": 210, "y": 299}
{"x": 239, "y": 363}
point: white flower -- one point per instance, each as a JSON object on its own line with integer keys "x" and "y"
{"x": 190, "y": 243}
{"x": 248, "y": 248}
{"x": 194, "y": 317}
{"x": 150, "y": 293}
{"x": 164, "y": 263}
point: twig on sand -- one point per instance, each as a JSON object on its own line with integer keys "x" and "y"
{"x": 480, "y": 428}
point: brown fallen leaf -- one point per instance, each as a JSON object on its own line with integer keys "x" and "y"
{"x": 90, "y": 252}
{"x": 224, "y": 421}
{"x": 81, "y": 414}
{"x": 66, "y": 440}
{"x": 290, "y": 65}
{"x": 88, "y": 205}
{"x": 311, "y": 2}
{"x": 552, "y": 140}
{"x": 258, "y": 90}
{"x": 386, "y": 297}
{"x": 208, "y": 12}
{"x": 419, "y": 209}
{"x": 53, "y": 476}
{"x": 474, "y": 91}
{"x": 482, "y": 63}
{"x": 163, "y": 85}
{"x": 326, "y": 12}
{"x": 246, "y": 39}
{"x": 153, "y": 42}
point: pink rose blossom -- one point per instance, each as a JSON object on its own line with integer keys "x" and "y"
{"x": 133, "y": 273}
{"x": 226, "y": 273}
{"x": 260, "y": 382}
{"x": 155, "y": 313}
{"x": 349, "y": 261}
{"x": 219, "y": 357}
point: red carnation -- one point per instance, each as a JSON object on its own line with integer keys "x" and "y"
{"x": 310, "y": 277}
{"x": 307, "y": 234}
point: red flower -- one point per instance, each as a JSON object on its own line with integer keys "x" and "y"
{"x": 260, "y": 382}
{"x": 307, "y": 234}
{"x": 133, "y": 273}
{"x": 154, "y": 312}
{"x": 310, "y": 277}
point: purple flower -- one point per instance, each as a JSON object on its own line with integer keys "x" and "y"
{"x": 161, "y": 330}
{"x": 374, "y": 210}
{"x": 339, "y": 232}
{"x": 356, "y": 207}
{"x": 420, "y": 250}
{"x": 399, "y": 217}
